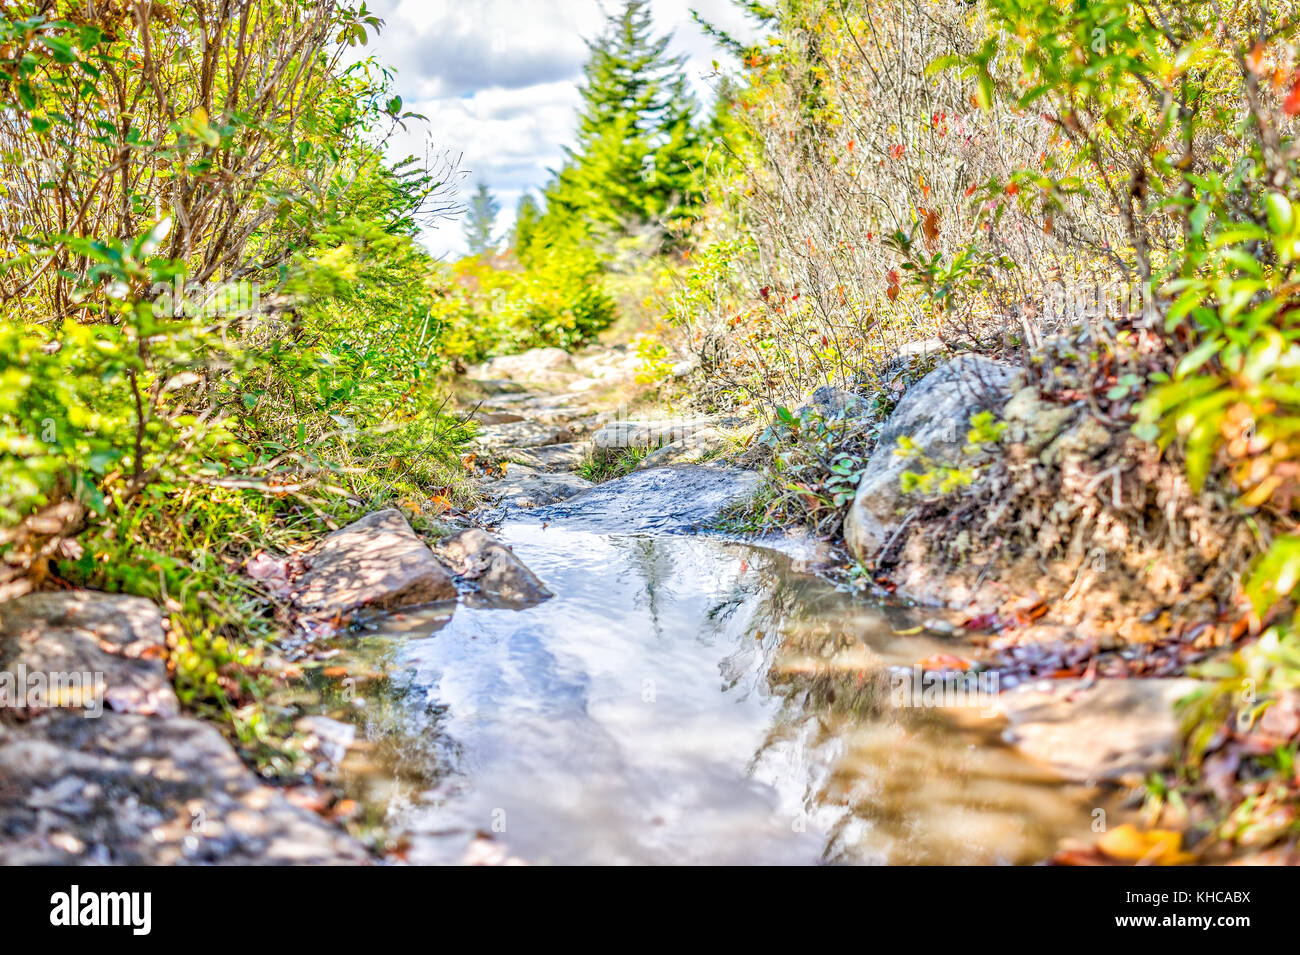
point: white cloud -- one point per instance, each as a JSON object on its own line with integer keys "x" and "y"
{"x": 498, "y": 81}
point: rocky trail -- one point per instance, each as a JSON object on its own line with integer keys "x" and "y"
{"x": 589, "y": 679}
{"x": 544, "y": 413}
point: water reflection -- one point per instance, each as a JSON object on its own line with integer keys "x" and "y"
{"x": 686, "y": 700}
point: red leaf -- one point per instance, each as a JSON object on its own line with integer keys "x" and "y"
{"x": 1292, "y": 104}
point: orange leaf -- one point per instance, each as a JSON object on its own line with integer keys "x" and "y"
{"x": 944, "y": 661}
{"x": 930, "y": 226}
{"x": 1154, "y": 847}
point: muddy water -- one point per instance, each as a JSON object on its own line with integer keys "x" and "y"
{"x": 684, "y": 699}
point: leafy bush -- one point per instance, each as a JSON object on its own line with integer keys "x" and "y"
{"x": 218, "y": 329}
{"x": 1182, "y": 127}
{"x": 848, "y": 166}
{"x": 498, "y": 306}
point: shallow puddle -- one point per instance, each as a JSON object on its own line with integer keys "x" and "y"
{"x": 684, "y": 699}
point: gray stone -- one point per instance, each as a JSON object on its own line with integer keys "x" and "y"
{"x": 531, "y": 364}
{"x": 1113, "y": 730}
{"x": 376, "y": 562}
{"x": 831, "y": 402}
{"x": 521, "y": 434}
{"x": 922, "y": 348}
{"x": 663, "y": 500}
{"x": 482, "y": 416}
{"x": 1033, "y": 422}
{"x": 112, "y": 644}
{"x": 699, "y": 446}
{"x": 649, "y": 434}
{"x": 129, "y": 789}
{"x": 935, "y": 414}
{"x": 501, "y": 577}
{"x": 136, "y": 784}
{"x": 550, "y": 457}
{"x": 498, "y": 386}
{"x": 524, "y": 487}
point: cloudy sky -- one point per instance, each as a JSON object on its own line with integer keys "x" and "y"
{"x": 498, "y": 81}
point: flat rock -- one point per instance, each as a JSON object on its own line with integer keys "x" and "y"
{"x": 376, "y": 562}
{"x": 650, "y": 434}
{"x": 129, "y": 789}
{"x": 657, "y": 500}
{"x": 1113, "y": 730}
{"x": 521, "y": 434}
{"x": 498, "y": 386}
{"x": 501, "y": 577}
{"x": 550, "y": 457}
{"x": 483, "y": 416}
{"x": 935, "y": 414}
{"x": 111, "y": 648}
{"x": 524, "y": 487}
{"x": 531, "y": 364}
{"x": 135, "y": 783}
{"x": 609, "y": 364}
{"x": 691, "y": 450}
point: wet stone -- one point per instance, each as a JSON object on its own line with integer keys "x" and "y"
{"x": 663, "y": 500}
{"x": 525, "y": 487}
{"x": 376, "y": 562}
{"x": 501, "y": 578}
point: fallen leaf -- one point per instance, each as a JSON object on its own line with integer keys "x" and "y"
{"x": 1291, "y": 105}
{"x": 1153, "y": 847}
{"x": 944, "y": 661}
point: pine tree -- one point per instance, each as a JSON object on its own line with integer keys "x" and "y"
{"x": 480, "y": 218}
{"x": 527, "y": 214}
{"x": 636, "y": 140}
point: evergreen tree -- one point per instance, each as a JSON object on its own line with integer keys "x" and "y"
{"x": 480, "y": 218}
{"x": 526, "y": 216}
{"x": 636, "y": 142}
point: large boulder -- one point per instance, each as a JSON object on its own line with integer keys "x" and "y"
{"x": 935, "y": 414}
{"x": 376, "y": 562}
